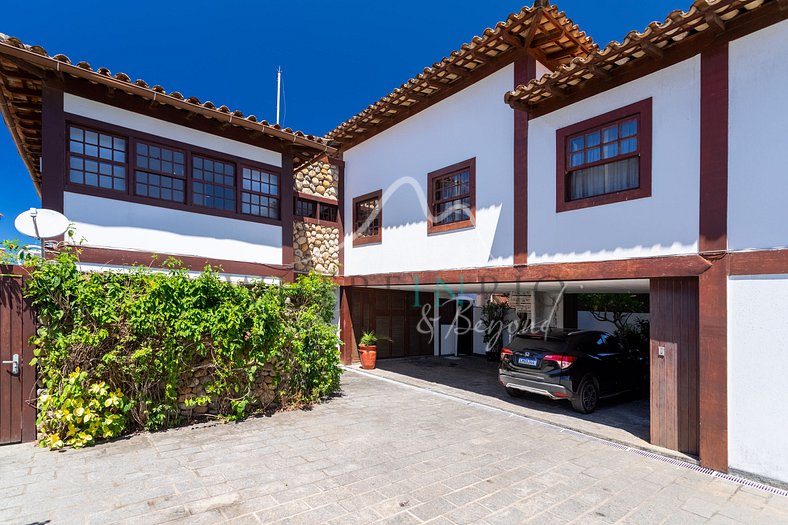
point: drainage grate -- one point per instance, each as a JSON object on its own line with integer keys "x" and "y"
{"x": 687, "y": 465}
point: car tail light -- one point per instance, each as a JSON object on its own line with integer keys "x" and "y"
{"x": 506, "y": 351}
{"x": 564, "y": 361}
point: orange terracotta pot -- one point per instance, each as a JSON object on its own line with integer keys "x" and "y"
{"x": 368, "y": 355}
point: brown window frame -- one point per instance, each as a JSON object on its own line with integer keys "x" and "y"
{"x": 643, "y": 111}
{"x": 134, "y": 136}
{"x": 468, "y": 165}
{"x": 159, "y": 173}
{"x": 368, "y": 239}
{"x": 84, "y": 158}
{"x": 320, "y": 203}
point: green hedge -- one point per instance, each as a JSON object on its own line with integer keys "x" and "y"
{"x": 111, "y": 347}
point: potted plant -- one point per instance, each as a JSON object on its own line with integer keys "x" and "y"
{"x": 368, "y": 349}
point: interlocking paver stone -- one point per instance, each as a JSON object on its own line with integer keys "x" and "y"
{"x": 380, "y": 453}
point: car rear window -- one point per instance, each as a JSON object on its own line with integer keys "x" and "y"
{"x": 531, "y": 342}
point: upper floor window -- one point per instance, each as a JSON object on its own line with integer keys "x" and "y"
{"x": 313, "y": 210}
{"x": 367, "y": 218}
{"x": 605, "y": 159}
{"x": 96, "y": 159}
{"x": 260, "y": 193}
{"x": 452, "y": 197}
{"x": 157, "y": 171}
{"x": 214, "y": 183}
{"x": 160, "y": 173}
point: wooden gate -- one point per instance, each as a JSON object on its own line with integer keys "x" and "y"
{"x": 17, "y": 391}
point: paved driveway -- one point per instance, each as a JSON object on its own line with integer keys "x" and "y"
{"x": 381, "y": 452}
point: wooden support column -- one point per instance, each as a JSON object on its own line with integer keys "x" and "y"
{"x": 713, "y": 328}
{"x": 524, "y": 71}
{"x": 53, "y": 148}
{"x": 286, "y": 211}
{"x": 340, "y": 164}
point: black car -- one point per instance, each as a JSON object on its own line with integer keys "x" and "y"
{"x": 579, "y": 365}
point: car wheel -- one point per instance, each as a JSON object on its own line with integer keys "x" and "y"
{"x": 514, "y": 392}
{"x": 587, "y": 397}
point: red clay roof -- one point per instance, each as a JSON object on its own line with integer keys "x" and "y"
{"x": 547, "y": 33}
{"x": 705, "y": 18}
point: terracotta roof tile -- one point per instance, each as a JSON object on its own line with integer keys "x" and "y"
{"x": 550, "y": 36}
{"x": 678, "y": 28}
{"x": 20, "y": 100}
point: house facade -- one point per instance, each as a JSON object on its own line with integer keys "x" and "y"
{"x": 530, "y": 163}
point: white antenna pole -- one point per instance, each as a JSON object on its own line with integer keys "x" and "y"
{"x": 278, "y": 91}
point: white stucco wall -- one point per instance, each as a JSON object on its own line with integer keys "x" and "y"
{"x": 757, "y": 363}
{"x": 665, "y": 223}
{"x": 109, "y": 223}
{"x": 160, "y": 128}
{"x": 757, "y": 173}
{"x": 472, "y": 123}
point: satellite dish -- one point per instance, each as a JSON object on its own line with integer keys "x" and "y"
{"x": 41, "y": 223}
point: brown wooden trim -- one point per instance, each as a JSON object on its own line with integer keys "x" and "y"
{"x": 190, "y": 150}
{"x": 286, "y": 208}
{"x": 53, "y": 135}
{"x": 741, "y": 26}
{"x": 643, "y": 268}
{"x": 340, "y": 164}
{"x": 524, "y": 72}
{"x": 714, "y": 148}
{"x": 759, "y": 262}
{"x": 713, "y": 377}
{"x": 372, "y": 239}
{"x": 470, "y": 165}
{"x": 642, "y": 109}
{"x": 117, "y": 257}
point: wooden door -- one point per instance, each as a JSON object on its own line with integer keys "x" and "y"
{"x": 17, "y": 391}
{"x": 674, "y": 357}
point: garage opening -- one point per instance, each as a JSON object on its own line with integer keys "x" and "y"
{"x": 641, "y": 333}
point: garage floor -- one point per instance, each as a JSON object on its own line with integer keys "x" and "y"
{"x": 623, "y": 419}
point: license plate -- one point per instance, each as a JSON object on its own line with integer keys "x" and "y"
{"x": 527, "y": 361}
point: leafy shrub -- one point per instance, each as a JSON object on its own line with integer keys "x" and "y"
{"x": 140, "y": 331}
{"x": 78, "y": 413}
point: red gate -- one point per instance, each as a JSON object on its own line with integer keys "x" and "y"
{"x": 17, "y": 377}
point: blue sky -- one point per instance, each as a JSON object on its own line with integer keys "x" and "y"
{"x": 337, "y": 57}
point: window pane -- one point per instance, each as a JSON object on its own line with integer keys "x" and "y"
{"x": 592, "y": 155}
{"x": 91, "y": 153}
{"x": 577, "y": 159}
{"x": 609, "y": 150}
{"x": 592, "y": 139}
{"x": 629, "y": 128}
{"x": 629, "y": 145}
{"x": 576, "y": 144}
{"x": 610, "y": 134}
{"x": 607, "y": 178}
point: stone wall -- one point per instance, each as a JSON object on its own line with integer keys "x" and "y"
{"x": 319, "y": 178}
{"x": 192, "y": 385}
{"x": 316, "y": 246}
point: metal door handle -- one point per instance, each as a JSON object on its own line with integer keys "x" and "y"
{"x": 14, "y": 362}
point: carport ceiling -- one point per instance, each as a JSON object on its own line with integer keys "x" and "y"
{"x": 613, "y": 286}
